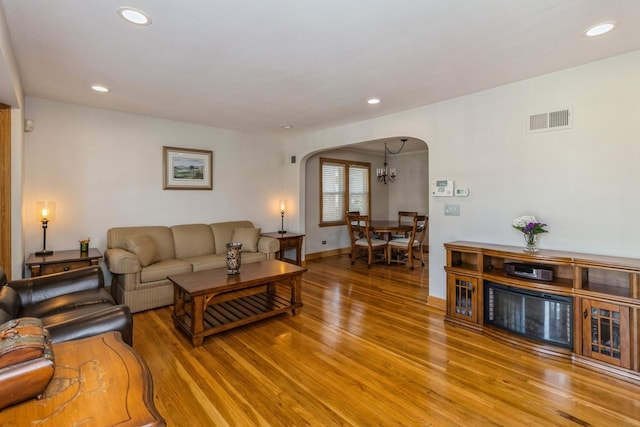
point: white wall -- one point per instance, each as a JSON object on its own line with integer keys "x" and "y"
{"x": 410, "y": 191}
{"x": 104, "y": 169}
{"x": 580, "y": 181}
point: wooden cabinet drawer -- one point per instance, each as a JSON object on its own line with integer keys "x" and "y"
{"x": 63, "y": 266}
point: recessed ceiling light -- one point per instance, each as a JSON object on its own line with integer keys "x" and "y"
{"x": 600, "y": 29}
{"x": 100, "y": 88}
{"x": 373, "y": 101}
{"x": 134, "y": 16}
{"x": 285, "y": 126}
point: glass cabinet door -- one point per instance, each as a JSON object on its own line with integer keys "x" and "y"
{"x": 463, "y": 297}
{"x": 606, "y": 332}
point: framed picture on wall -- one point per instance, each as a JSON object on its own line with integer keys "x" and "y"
{"x": 187, "y": 169}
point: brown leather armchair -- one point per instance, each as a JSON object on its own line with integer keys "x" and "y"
{"x": 72, "y": 304}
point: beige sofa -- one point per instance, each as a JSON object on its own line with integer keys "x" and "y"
{"x": 141, "y": 258}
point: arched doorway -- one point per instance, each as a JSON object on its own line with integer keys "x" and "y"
{"x": 409, "y": 190}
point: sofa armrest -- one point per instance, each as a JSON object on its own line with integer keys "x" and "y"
{"x": 36, "y": 289}
{"x": 73, "y": 326}
{"x": 268, "y": 245}
{"x": 120, "y": 261}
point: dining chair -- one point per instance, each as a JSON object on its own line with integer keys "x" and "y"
{"x": 406, "y": 249}
{"x": 404, "y": 218}
{"x": 362, "y": 240}
{"x": 421, "y": 234}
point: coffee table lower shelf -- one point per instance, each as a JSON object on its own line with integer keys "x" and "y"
{"x": 237, "y": 312}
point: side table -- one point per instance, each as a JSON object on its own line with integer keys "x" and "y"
{"x": 62, "y": 261}
{"x": 98, "y": 381}
{"x": 288, "y": 241}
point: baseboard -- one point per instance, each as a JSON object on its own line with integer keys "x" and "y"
{"x": 340, "y": 251}
{"x": 332, "y": 252}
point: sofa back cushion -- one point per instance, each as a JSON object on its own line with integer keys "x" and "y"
{"x": 160, "y": 235}
{"x": 223, "y": 233}
{"x": 248, "y": 236}
{"x": 192, "y": 240}
{"x": 144, "y": 248}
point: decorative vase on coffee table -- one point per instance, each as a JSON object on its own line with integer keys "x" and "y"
{"x": 234, "y": 255}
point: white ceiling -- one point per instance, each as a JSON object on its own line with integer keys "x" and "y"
{"x": 253, "y": 65}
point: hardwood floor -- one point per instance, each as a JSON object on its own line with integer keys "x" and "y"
{"x": 365, "y": 351}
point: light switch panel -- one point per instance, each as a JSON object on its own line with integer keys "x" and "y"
{"x": 452, "y": 210}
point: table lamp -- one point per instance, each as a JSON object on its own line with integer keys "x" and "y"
{"x": 45, "y": 213}
{"x": 282, "y": 209}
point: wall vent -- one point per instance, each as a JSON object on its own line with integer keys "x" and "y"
{"x": 550, "y": 120}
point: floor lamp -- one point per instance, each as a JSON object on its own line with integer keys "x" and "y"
{"x": 46, "y": 213}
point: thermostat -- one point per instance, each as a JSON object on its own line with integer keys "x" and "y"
{"x": 442, "y": 188}
{"x": 462, "y": 192}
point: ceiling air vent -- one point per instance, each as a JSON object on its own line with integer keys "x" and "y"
{"x": 551, "y": 120}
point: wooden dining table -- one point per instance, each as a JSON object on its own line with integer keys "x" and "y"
{"x": 388, "y": 227}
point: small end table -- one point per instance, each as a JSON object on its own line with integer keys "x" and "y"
{"x": 288, "y": 241}
{"x": 62, "y": 261}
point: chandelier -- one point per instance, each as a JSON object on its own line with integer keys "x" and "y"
{"x": 386, "y": 174}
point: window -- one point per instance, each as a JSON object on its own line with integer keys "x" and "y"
{"x": 344, "y": 186}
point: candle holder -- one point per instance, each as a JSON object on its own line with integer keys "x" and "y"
{"x": 84, "y": 246}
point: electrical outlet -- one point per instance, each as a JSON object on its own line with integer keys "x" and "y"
{"x": 324, "y": 242}
{"x": 452, "y": 210}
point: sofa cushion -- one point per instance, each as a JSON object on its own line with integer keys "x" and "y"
{"x": 223, "y": 232}
{"x": 192, "y": 240}
{"x": 143, "y": 247}
{"x": 249, "y": 257}
{"x": 207, "y": 262}
{"x": 161, "y": 236}
{"x": 248, "y": 237}
{"x": 160, "y": 270}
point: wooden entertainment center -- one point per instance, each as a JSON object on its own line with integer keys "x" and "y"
{"x": 602, "y": 292}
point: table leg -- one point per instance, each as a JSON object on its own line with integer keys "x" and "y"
{"x": 299, "y": 254}
{"x": 197, "y": 319}
{"x": 271, "y": 288}
{"x": 178, "y": 301}
{"x": 296, "y": 293}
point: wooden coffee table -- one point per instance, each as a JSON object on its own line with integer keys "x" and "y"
{"x": 211, "y": 301}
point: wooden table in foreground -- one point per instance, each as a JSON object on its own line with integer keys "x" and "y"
{"x": 211, "y": 301}
{"x": 98, "y": 381}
